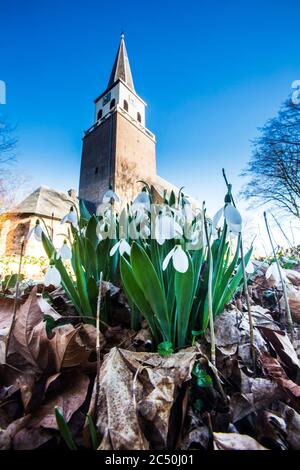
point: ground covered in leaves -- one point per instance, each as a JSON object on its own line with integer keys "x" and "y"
{"x": 139, "y": 399}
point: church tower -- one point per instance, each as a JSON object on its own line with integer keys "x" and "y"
{"x": 118, "y": 150}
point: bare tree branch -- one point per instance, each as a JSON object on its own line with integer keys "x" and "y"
{"x": 274, "y": 167}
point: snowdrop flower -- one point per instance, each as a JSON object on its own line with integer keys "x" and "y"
{"x": 141, "y": 202}
{"x": 110, "y": 196}
{"x": 52, "y": 277}
{"x": 36, "y": 231}
{"x": 179, "y": 259}
{"x": 123, "y": 247}
{"x": 166, "y": 228}
{"x": 64, "y": 252}
{"x": 231, "y": 215}
{"x": 187, "y": 209}
{"x": 70, "y": 217}
{"x": 273, "y": 274}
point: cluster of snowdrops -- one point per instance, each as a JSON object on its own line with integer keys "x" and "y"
{"x": 176, "y": 266}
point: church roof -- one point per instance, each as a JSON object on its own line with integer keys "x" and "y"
{"x": 121, "y": 69}
{"x": 161, "y": 185}
{"x": 44, "y": 202}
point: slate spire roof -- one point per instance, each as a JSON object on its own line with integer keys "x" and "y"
{"x": 121, "y": 69}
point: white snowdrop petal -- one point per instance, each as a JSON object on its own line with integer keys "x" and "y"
{"x": 145, "y": 231}
{"x": 217, "y": 217}
{"x": 73, "y": 219}
{"x": 167, "y": 259}
{"x": 232, "y": 215}
{"x": 166, "y": 227}
{"x": 38, "y": 232}
{"x": 160, "y": 240}
{"x": 177, "y": 231}
{"x": 56, "y": 277}
{"x": 64, "y": 219}
{"x": 65, "y": 252}
{"x": 114, "y": 249}
{"x": 162, "y": 228}
{"x": 124, "y": 248}
{"x": 180, "y": 260}
{"x": 110, "y": 194}
{"x": 30, "y": 233}
{"x": 143, "y": 198}
{"x": 188, "y": 213}
{"x": 52, "y": 277}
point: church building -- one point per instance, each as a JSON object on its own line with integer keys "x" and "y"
{"x": 118, "y": 152}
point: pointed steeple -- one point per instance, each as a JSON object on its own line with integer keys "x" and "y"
{"x": 121, "y": 69}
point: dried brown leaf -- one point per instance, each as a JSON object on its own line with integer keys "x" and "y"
{"x": 7, "y": 435}
{"x": 233, "y": 441}
{"x": 29, "y": 334}
{"x": 282, "y": 346}
{"x": 273, "y": 369}
{"x": 67, "y": 348}
{"x": 69, "y": 397}
{"x": 137, "y": 394}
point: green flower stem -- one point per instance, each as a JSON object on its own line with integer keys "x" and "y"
{"x": 98, "y": 346}
{"x": 246, "y": 292}
{"x": 287, "y": 305}
{"x": 15, "y": 301}
{"x": 209, "y": 295}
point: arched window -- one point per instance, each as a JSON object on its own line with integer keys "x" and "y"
{"x": 125, "y": 105}
{"x": 96, "y": 170}
{"x": 112, "y": 104}
{"x": 99, "y": 115}
{"x": 139, "y": 117}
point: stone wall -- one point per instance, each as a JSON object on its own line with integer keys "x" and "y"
{"x": 14, "y": 228}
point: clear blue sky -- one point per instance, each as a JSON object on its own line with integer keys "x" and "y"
{"x": 210, "y": 71}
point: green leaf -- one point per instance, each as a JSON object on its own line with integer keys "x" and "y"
{"x": 91, "y": 260}
{"x": 81, "y": 283}
{"x": 234, "y": 284}
{"x": 165, "y": 349}
{"x": 148, "y": 282}
{"x": 135, "y": 293}
{"x": 90, "y": 233}
{"x": 84, "y": 212}
{"x": 93, "y": 432}
{"x": 64, "y": 429}
{"x": 184, "y": 290}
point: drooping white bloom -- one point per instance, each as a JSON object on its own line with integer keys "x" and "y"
{"x": 52, "y": 277}
{"x": 166, "y": 228}
{"x": 179, "y": 259}
{"x": 110, "y": 196}
{"x": 187, "y": 209}
{"x": 36, "y": 231}
{"x": 70, "y": 217}
{"x": 232, "y": 216}
{"x": 123, "y": 247}
{"x": 64, "y": 252}
{"x": 141, "y": 202}
{"x": 145, "y": 231}
{"x": 273, "y": 274}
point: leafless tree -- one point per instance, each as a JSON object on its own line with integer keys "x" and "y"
{"x": 8, "y": 142}
{"x": 274, "y": 168}
{"x": 8, "y": 183}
